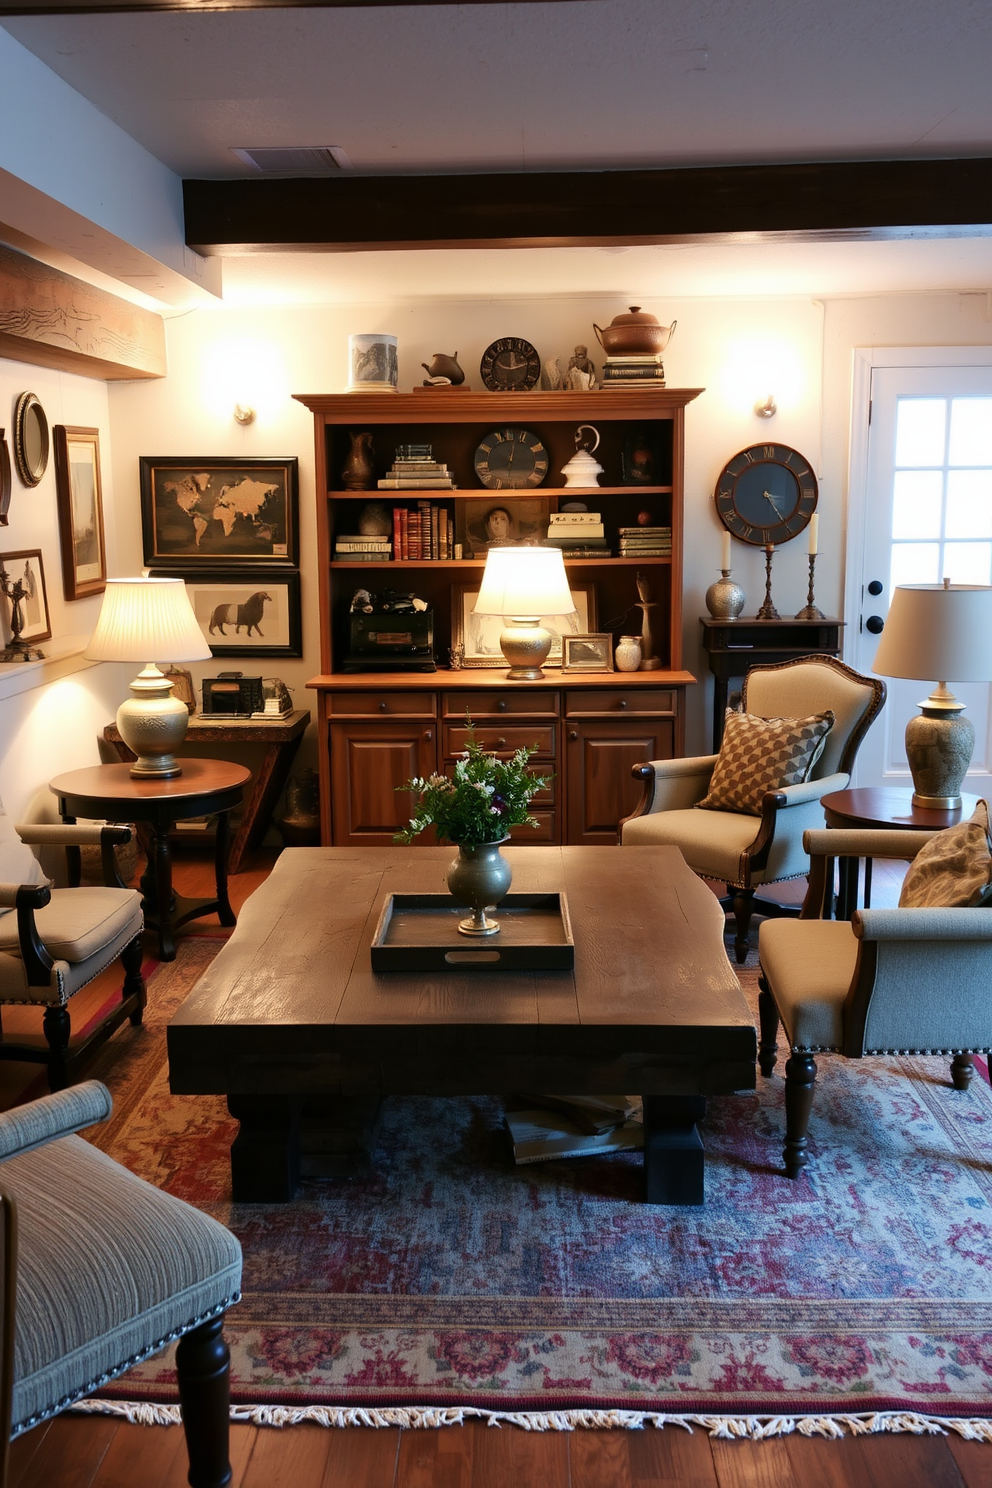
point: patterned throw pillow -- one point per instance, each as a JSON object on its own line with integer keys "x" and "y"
{"x": 763, "y": 754}
{"x": 954, "y": 870}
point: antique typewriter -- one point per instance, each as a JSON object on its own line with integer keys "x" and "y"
{"x": 389, "y": 632}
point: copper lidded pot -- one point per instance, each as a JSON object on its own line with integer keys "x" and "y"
{"x": 637, "y": 334}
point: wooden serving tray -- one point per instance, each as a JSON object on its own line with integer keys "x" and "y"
{"x": 419, "y": 932}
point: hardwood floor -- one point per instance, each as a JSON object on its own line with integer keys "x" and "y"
{"x": 100, "y": 1452}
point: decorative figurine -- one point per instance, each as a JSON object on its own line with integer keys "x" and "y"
{"x": 581, "y": 374}
{"x": 649, "y": 661}
{"x": 582, "y": 470}
{"x": 17, "y": 591}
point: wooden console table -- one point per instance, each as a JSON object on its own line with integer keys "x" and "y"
{"x": 733, "y": 646}
{"x": 281, "y": 737}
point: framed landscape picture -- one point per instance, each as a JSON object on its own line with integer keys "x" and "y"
{"x": 587, "y": 653}
{"x": 80, "y": 502}
{"x": 22, "y": 579}
{"x": 219, "y": 510}
{"x": 254, "y": 613}
{"x": 479, "y": 634}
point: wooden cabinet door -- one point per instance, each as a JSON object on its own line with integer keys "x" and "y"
{"x": 599, "y": 755}
{"x": 368, "y": 762}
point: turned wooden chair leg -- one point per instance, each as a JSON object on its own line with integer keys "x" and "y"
{"x": 134, "y": 982}
{"x": 800, "y": 1075}
{"x": 57, "y": 1027}
{"x": 768, "y": 1020}
{"x": 203, "y": 1373}
{"x": 743, "y": 909}
{"x": 962, "y": 1070}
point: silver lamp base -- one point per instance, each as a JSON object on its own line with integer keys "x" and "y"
{"x": 153, "y": 724}
{"x": 525, "y": 645}
{"x": 939, "y": 746}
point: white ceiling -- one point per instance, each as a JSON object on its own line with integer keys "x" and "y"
{"x": 566, "y": 86}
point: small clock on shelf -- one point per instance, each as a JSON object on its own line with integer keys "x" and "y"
{"x": 766, "y": 494}
{"x": 510, "y": 365}
{"x": 508, "y": 459}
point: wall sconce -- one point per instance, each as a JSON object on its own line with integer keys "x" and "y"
{"x": 243, "y": 414}
{"x": 767, "y": 407}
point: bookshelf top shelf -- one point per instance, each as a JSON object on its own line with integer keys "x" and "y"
{"x": 474, "y": 407}
{"x": 423, "y": 493}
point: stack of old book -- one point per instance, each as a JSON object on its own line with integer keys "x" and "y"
{"x": 578, "y": 534}
{"x": 415, "y": 469}
{"x": 645, "y": 542}
{"x": 543, "y": 1127}
{"x": 634, "y": 371}
{"x": 426, "y": 533}
{"x": 354, "y": 547}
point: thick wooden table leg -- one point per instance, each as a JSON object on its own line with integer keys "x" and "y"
{"x": 222, "y": 844}
{"x": 156, "y": 885}
{"x": 265, "y": 1155}
{"x": 673, "y": 1149}
{"x": 203, "y": 1373}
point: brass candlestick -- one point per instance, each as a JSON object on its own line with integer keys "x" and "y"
{"x": 809, "y": 610}
{"x": 768, "y": 610}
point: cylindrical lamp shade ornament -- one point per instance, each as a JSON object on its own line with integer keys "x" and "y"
{"x": 938, "y": 631}
{"x": 523, "y": 584}
{"x": 142, "y": 618}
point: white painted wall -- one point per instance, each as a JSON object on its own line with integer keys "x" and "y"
{"x": 53, "y": 726}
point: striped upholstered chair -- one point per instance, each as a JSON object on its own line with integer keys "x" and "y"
{"x": 101, "y": 1270}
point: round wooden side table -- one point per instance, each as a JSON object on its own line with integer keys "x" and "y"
{"x": 206, "y": 787}
{"x": 885, "y": 807}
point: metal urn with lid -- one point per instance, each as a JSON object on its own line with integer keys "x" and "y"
{"x": 639, "y": 333}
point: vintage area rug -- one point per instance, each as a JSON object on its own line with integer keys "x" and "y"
{"x": 451, "y": 1282}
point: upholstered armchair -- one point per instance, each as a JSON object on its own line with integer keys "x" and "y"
{"x": 745, "y": 850}
{"x": 905, "y": 981}
{"x": 53, "y": 941}
{"x": 101, "y": 1270}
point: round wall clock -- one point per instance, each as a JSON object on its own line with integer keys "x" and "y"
{"x": 511, "y": 458}
{"x": 510, "y": 365}
{"x": 766, "y": 494}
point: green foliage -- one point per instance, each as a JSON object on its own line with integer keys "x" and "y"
{"x": 484, "y": 798}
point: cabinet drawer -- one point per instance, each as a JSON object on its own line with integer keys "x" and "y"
{"x": 499, "y": 740}
{"x": 381, "y": 704}
{"x": 546, "y": 832}
{"x": 533, "y": 701}
{"x": 615, "y": 701}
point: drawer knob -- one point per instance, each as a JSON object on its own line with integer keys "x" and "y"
{"x": 501, "y": 706}
{"x": 382, "y": 706}
{"x": 428, "y": 735}
{"x": 573, "y": 733}
{"x": 622, "y": 703}
{"x": 500, "y": 743}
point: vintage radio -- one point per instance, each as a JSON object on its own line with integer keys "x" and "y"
{"x": 390, "y": 632}
{"x": 232, "y": 694}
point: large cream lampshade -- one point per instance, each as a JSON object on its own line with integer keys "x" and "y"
{"x": 522, "y": 583}
{"x": 140, "y": 618}
{"x": 943, "y": 631}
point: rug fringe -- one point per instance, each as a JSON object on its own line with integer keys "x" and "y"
{"x": 429, "y": 1418}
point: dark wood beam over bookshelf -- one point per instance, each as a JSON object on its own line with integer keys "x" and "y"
{"x": 858, "y": 200}
{"x": 73, "y": 7}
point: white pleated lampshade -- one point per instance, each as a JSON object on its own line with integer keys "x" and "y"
{"x": 524, "y": 581}
{"x": 147, "y": 620}
{"x": 938, "y": 633}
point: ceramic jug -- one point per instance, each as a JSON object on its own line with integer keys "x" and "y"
{"x": 358, "y": 469}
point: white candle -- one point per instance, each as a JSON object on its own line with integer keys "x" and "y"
{"x": 814, "y": 527}
{"x": 725, "y": 553}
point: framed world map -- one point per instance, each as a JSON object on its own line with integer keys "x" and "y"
{"x": 219, "y": 510}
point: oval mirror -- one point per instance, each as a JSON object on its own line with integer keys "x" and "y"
{"x": 30, "y": 439}
{"x": 4, "y": 479}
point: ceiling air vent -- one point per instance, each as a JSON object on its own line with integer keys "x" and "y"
{"x": 295, "y": 160}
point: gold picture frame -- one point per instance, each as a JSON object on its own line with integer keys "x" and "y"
{"x": 79, "y": 492}
{"x": 592, "y": 652}
{"x": 479, "y": 634}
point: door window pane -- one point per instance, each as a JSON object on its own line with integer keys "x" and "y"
{"x": 920, "y": 424}
{"x": 915, "y": 563}
{"x": 968, "y": 563}
{"x": 916, "y": 503}
{"x": 971, "y": 431}
{"x": 969, "y": 504}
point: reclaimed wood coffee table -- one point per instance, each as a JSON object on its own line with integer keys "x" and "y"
{"x": 291, "y": 1009}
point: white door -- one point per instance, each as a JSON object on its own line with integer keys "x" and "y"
{"x": 926, "y": 515}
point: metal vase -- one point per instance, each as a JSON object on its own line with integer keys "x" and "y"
{"x": 479, "y": 877}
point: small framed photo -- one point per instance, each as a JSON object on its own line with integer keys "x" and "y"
{"x": 80, "y": 502}
{"x": 479, "y": 634}
{"x": 587, "y": 653}
{"x": 499, "y": 518}
{"x": 219, "y": 510}
{"x": 252, "y": 613}
{"x": 22, "y": 581}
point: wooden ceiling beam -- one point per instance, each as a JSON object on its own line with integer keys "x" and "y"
{"x": 884, "y": 199}
{"x": 103, "y": 7}
{"x": 51, "y": 319}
